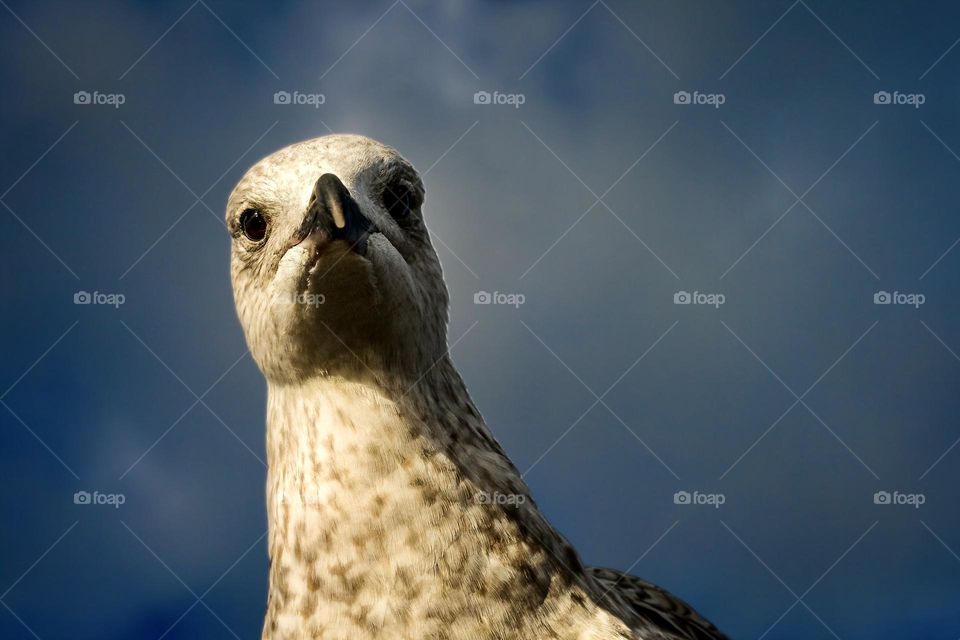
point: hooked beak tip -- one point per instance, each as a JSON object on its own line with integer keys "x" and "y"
{"x": 336, "y": 212}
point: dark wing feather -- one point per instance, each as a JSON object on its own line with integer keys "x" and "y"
{"x": 657, "y": 610}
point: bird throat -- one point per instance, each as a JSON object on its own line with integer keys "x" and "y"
{"x": 383, "y": 522}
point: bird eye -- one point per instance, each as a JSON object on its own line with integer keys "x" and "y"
{"x": 253, "y": 225}
{"x": 398, "y": 200}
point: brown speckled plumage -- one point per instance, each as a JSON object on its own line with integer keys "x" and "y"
{"x": 381, "y": 469}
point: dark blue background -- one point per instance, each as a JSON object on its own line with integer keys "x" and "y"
{"x": 130, "y": 201}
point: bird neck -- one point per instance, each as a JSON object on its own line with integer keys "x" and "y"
{"x": 331, "y": 440}
{"x": 385, "y": 498}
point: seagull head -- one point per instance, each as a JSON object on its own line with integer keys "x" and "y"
{"x": 332, "y": 266}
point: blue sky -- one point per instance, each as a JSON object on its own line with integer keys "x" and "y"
{"x": 602, "y": 196}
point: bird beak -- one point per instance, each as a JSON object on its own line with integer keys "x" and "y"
{"x": 333, "y": 214}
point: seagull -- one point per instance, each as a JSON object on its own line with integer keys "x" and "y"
{"x": 393, "y": 512}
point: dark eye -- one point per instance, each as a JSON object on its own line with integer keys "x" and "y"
{"x": 253, "y": 225}
{"x": 398, "y": 200}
